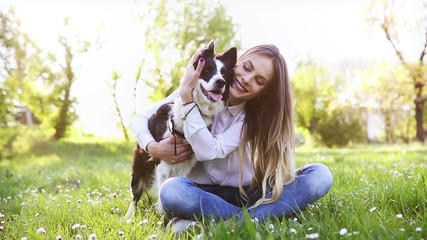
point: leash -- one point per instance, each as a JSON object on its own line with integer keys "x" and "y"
{"x": 176, "y": 132}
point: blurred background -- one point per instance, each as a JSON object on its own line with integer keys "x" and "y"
{"x": 83, "y": 68}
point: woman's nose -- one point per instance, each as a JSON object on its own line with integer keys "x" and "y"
{"x": 246, "y": 79}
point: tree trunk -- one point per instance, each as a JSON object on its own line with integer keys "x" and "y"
{"x": 416, "y": 75}
{"x": 63, "y": 117}
{"x": 62, "y": 122}
{"x": 419, "y": 117}
{"x": 313, "y": 125}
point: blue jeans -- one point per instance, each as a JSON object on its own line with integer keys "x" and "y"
{"x": 183, "y": 198}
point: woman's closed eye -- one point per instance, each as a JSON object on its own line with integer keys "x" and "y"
{"x": 259, "y": 82}
{"x": 246, "y": 67}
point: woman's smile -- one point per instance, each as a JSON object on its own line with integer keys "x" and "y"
{"x": 239, "y": 86}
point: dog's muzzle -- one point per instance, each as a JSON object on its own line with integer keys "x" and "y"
{"x": 214, "y": 95}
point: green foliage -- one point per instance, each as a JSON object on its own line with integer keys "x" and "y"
{"x": 4, "y": 107}
{"x": 388, "y": 17}
{"x": 313, "y": 93}
{"x": 16, "y": 55}
{"x": 27, "y": 79}
{"x": 174, "y": 32}
{"x": 387, "y": 90}
{"x": 340, "y": 128}
{"x": 33, "y": 79}
{"x": 20, "y": 139}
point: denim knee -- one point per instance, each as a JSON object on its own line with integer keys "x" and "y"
{"x": 177, "y": 198}
{"x": 321, "y": 177}
{"x": 167, "y": 191}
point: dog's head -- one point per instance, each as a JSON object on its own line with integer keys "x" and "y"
{"x": 217, "y": 75}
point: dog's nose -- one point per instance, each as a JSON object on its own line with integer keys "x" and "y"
{"x": 220, "y": 83}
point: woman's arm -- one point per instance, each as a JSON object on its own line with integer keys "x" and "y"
{"x": 165, "y": 148}
{"x": 205, "y": 145}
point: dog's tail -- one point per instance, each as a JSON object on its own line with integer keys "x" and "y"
{"x": 142, "y": 176}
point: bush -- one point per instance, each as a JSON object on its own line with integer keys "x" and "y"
{"x": 340, "y": 128}
{"x": 19, "y": 139}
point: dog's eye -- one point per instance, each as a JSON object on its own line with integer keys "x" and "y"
{"x": 223, "y": 75}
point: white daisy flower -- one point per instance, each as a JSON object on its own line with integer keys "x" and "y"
{"x": 343, "y": 231}
{"x": 145, "y": 221}
{"x": 75, "y": 226}
{"x": 92, "y": 237}
{"x": 153, "y": 236}
{"x": 312, "y": 236}
{"x": 41, "y": 230}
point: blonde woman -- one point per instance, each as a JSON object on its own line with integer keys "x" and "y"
{"x": 247, "y": 158}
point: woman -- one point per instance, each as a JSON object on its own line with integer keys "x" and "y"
{"x": 247, "y": 158}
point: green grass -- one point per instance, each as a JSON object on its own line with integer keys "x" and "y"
{"x": 57, "y": 185}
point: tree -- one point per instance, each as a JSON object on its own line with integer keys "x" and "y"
{"x": 72, "y": 45}
{"x": 115, "y": 78}
{"x": 386, "y": 89}
{"x": 25, "y": 75}
{"x": 383, "y": 13}
{"x": 174, "y": 31}
{"x": 313, "y": 93}
{"x": 340, "y": 127}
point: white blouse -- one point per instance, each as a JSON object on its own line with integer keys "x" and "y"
{"x": 217, "y": 154}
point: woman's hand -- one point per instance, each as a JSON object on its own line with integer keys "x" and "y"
{"x": 189, "y": 81}
{"x": 165, "y": 150}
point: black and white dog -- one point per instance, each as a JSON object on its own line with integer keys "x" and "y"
{"x": 210, "y": 96}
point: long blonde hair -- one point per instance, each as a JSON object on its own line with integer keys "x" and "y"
{"x": 269, "y": 129}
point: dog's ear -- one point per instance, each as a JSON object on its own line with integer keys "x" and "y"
{"x": 211, "y": 44}
{"x": 210, "y": 50}
{"x": 229, "y": 57}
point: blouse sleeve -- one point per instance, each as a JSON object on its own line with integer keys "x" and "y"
{"x": 205, "y": 145}
{"x": 139, "y": 124}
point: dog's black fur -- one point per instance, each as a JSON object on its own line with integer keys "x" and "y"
{"x": 143, "y": 164}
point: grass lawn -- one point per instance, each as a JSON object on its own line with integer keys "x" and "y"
{"x": 79, "y": 189}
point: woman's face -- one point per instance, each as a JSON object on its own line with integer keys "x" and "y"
{"x": 251, "y": 77}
